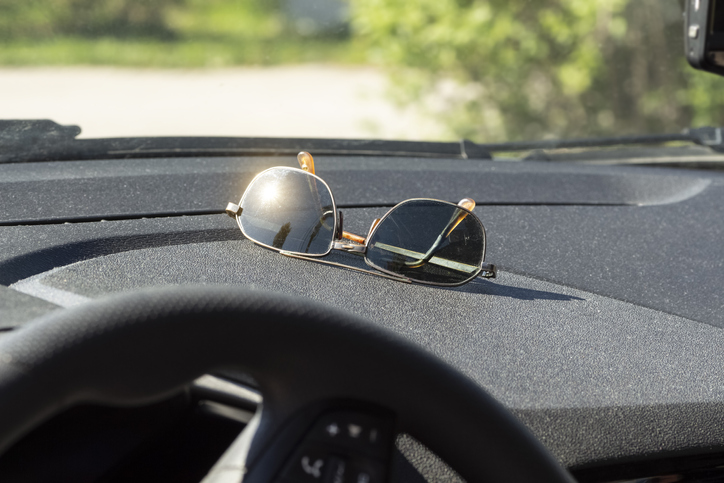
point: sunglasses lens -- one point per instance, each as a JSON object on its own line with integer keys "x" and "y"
{"x": 289, "y": 210}
{"x": 429, "y": 241}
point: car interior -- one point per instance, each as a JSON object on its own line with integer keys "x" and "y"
{"x": 143, "y": 337}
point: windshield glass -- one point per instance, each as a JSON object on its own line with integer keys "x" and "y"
{"x": 485, "y": 70}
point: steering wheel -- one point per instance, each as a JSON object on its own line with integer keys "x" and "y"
{"x": 307, "y": 359}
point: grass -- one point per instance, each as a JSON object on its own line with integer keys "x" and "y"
{"x": 196, "y": 33}
{"x": 190, "y": 53}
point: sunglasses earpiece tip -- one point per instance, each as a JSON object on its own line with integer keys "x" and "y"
{"x": 306, "y": 161}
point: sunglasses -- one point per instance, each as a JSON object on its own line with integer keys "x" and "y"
{"x": 419, "y": 240}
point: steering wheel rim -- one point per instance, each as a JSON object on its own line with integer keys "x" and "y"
{"x": 140, "y": 347}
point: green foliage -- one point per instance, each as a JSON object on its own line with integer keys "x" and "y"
{"x": 154, "y": 53}
{"x": 488, "y": 69}
{"x": 28, "y": 18}
{"x": 90, "y": 18}
{"x": 522, "y": 69}
{"x": 229, "y": 19}
{"x": 119, "y": 18}
{"x": 159, "y": 33}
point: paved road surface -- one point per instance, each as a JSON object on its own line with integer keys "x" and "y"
{"x": 294, "y": 101}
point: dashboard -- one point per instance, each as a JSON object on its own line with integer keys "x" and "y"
{"x": 601, "y": 333}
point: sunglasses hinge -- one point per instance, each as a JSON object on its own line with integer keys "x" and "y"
{"x": 489, "y": 271}
{"x": 232, "y": 209}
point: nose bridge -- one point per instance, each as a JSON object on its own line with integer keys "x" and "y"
{"x": 349, "y": 247}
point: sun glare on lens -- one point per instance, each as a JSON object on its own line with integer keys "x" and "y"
{"x": 269, "y": 194}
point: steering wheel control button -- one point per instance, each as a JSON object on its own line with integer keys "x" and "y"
{"x": 312, "y": 467}
{"x": 354, "y": 431}
{"x": 309, "y": 464}
{"x": 342, "y": 446}
{"x": 354, "y": 470}
{"x": 332, "y": 430}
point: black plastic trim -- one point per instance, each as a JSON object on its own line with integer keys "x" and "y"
{"x": 128, "y": 148}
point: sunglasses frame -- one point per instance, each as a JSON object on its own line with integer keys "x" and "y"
{"x": 487, "y": 270}
{"x": 379, "y": 222}
{"x": 334, "y": 208}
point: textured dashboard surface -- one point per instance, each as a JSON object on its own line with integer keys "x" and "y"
{"x": 601, "y": 331}
{"x": 552, "y": 353}
{"x": 81, "y": 190}
{"x": 666, "y": 256}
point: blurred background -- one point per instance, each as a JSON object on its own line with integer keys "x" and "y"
{"x": 486, "y": 70}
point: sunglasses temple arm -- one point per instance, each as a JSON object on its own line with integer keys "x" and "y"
{"x": 360, "y": 239}
{"x": 306, "y": 161}
{"x": 353, "y": 237}
{"x": 335, "y": 264}
{"x": 468, "y": 204}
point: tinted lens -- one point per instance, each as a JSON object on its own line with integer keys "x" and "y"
{"x": 289, "y": 210}
{"x": 429, "y": 241}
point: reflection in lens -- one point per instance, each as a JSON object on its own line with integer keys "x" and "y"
{"x": 426, "y": 241}
{"x": 289, "y": 210}
{"x": 281, "y": 236}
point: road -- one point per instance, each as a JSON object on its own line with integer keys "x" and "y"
{"x": 293, "y": 101}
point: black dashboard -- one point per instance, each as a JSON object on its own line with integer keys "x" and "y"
{"x": 602, "y": 331}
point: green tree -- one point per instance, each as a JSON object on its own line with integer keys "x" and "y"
{"x": 119, "y": 18}
{"x": 526, "y": 69}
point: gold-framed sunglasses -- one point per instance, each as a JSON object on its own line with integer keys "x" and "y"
{"x": 421, "y": 240}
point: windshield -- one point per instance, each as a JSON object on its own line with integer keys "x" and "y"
{"x": 485, "y": 70}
